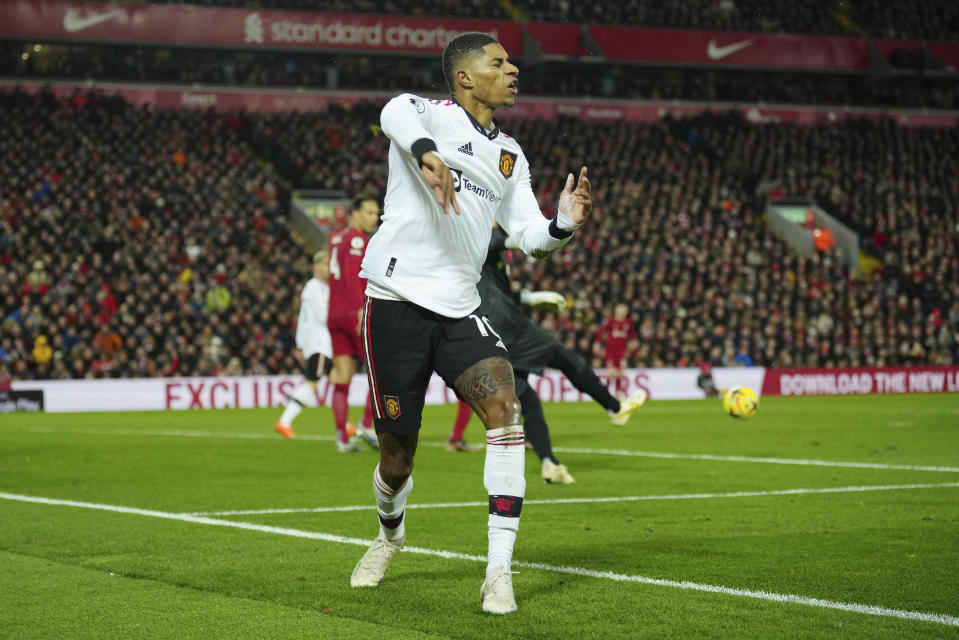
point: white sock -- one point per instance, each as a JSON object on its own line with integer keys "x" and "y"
{"x": 391, "y": 506}
{"x": 506, "y": 486}
{"x": 295, "y": 403}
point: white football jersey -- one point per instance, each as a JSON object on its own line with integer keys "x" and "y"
{"x": 312, "y": 336}
{"x": 432, "y": 258}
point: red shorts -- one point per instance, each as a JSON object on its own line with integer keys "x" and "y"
{"x": 346, "y": 339}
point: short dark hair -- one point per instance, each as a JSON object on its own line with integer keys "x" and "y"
{"x": 462, "y": 46}
{"x": 358, "y": 201}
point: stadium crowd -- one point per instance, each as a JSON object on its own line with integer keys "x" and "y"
{"x": 908, "y": 19}
{"x": 679, "y": 237}
{"x": 142, "y": 242}
{"x": 679, "y": 234}
{"x": 350, "y": 71}
{"x": 936, "y": 20}
{"x": 137, "y": 242}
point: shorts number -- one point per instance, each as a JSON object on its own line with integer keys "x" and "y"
{"x": 480, "y": 322}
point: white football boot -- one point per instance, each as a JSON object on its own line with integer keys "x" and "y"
{"x": 368, "y": 436}
{"x": 347, "y": 447}
{"x": 497, "y": 591}
{"x": 556, "y": 473}
{"x": 371, "y": 568}
{"x": 627, "y": 406}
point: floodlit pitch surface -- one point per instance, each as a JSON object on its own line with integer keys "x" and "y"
{"x": 819, "y": 517}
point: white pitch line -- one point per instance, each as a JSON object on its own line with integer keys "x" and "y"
{"x": 715, "y": 458}
{"x": 936, "y": 618}
{"x": 178, "y": 433}
{"x": 682, "y": 496}
{"x": 605, "y": 452}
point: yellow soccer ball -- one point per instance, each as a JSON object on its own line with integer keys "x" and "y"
{"x": 740, "y": 402}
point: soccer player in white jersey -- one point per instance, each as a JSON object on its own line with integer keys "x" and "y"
{"x": 451, "y": 173}
{"x": 313, "y": 340}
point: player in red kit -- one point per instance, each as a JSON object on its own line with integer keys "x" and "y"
{"x": 619, "y": 335}
{"x": 347, "y": 296}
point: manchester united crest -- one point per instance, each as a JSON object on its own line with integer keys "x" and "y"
{"x": 392, "y": 404}
{"x": 507, "y": 162}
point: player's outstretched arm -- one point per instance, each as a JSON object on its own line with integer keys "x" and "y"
{"x": 576, "y": 205}
{"x": 521, "y": 218}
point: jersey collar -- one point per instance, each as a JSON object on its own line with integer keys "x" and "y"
{"x": 476, "y": 123}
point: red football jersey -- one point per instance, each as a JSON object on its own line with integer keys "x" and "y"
{"x": 347, "y": 288}
{"x": 616, "y": 332}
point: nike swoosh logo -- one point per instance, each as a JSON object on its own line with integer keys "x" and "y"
{"x": 715, "y": 52}
{"x": 73, "y": 22}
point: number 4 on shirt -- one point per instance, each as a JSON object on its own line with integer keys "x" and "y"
{"x": 334, "y": 264}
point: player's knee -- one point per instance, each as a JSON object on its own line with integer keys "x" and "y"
{"x": 395, "y": 470}
{"x": 502, "y": 409}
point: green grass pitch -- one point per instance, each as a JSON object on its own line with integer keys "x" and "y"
{"x": 819, "y": 517}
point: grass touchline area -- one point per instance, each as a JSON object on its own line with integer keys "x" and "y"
{"x": 934, "y": 618}
{"x": 578, "y": 450}
{"x": 686, "y": 496}
{"x": 817, "y": 518}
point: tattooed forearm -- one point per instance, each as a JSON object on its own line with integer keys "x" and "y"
{"x": 485, "y": 378}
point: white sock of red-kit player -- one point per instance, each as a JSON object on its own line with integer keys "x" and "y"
{"x": 391, "y": 506}
{"x": 506, "y": 486}
{"x": 295, "y": 403}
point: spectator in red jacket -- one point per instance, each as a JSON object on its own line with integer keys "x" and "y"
{"x": 614, "y": 339}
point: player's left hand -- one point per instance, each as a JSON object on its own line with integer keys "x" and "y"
{"x": 549, "y": 300}
{"x": 577, "y": 204}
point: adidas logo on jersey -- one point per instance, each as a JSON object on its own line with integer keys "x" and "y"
{"x": 467, "y": 149}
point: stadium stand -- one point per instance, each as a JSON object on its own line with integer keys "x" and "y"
{"x": 139, "y": 243}
{"x": 486, "y": 9}
{"x": 909, "y": 19}
{"x": 143, "y": 242}
{"x": 373, "y": 73}
{"x": 706, "y": 282}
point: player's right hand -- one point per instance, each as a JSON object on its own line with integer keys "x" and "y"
{"x": 440, "y": 179}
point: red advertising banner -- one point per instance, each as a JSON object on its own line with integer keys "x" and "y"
{"x": 281, "y": 100}
{"x": 249, "y": 28}
{"x": 889, "y": 47}
{"x": 557, "y": 39}
{"x": 264, "y": 100}
{"x": 860, "y": 381}
{"x": 185, "y": 24}
{"x": 730, "y": 48}
{"x": 651, "y": 112}
{"x": 157, "y": 394}
{"x": 947, "y": 53}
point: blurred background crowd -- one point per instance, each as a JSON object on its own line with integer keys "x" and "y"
{"x": 912, "y": 82}
{"x": 136, "y": 242}
{"x": 149, "y": 242}
{"x": 915, "y": 19}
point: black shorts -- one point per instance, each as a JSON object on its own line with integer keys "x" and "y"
{"x": 531, "y": 347}
{"x": 404, "y": 343}
{"x": 317, "y": 366}
{"x": 534, "y": 349}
